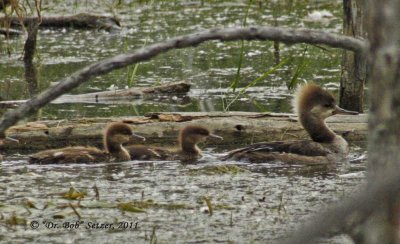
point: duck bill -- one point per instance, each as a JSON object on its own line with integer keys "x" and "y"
{"x": 7, "y": 138}
{"x": 217, "y": 137}
{"x": 136, "y": 136}
{"x": 11, "y": 139}
{"x": 339, "y": 110}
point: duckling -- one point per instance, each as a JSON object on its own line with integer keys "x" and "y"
{"x": 115, "y": 135}
{"x": 2, "y": 140}
{"x": 313, "y": 105}
{"x": 188, "y": 138}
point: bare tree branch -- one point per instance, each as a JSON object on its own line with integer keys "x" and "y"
{"x": 286, "y": 35}
{"x": 362, "y": 204}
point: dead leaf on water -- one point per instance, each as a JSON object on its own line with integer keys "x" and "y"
{"x": 74, "y": 194}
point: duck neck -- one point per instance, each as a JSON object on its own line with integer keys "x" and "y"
{"x": 317, "y": 128}
{"x": 189, "y": 147}
{"x": 117, "y": 150}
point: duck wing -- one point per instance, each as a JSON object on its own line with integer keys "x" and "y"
{"x": 303, "y": 151}
{"x": 69, "y": 155}
{"x": 138, "y": 152}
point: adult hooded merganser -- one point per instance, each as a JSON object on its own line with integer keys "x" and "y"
{"x": 115, "y": 135}
{"x": 188, "y": 138}
{"x": 312, "y": 105}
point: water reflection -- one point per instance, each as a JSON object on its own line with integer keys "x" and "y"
{"x": 211, "y": 65}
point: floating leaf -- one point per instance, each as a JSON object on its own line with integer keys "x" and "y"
{"x": 74, "y": 194}
{"x": 29, "y": 204}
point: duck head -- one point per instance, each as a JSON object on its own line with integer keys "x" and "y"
{"x": 118, "y": 133}
{"x": 313, "y": 105}
{"x": 312, "y": 100}
{"x": 190, "y": 135}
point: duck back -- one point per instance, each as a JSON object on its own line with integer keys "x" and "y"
{"x": 69, "y": 155}
{"x": 138, "y": 152}
{"x": 290, "y": 152}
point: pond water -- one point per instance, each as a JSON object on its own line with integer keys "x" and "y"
{"x": 166, "y": 200}
{"x": 210, "y": 67}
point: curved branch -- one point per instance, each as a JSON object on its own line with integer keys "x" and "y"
{"x": 286, "y": 35}
{"x": 357, "y": 209}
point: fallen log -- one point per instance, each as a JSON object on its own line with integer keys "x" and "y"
{"x": 10, "y": 32}
{"x": 173, "y": 90}
{"x": 79, "y": 21}
{"x": 127, "y": 95}
{"x": 237, "y": 128}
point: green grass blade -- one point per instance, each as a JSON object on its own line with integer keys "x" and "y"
{"x": 255, "y": 81}
{"x": 236, "y": 81}
{"x": 303, "y": 63}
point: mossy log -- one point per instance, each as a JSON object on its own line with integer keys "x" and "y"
{"x": 237, "y": 128}
{"x": 119, "y": 96}
{"x": 79, "y": 21}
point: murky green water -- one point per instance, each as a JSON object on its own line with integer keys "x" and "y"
{"x": 210, "y": 67}
{"x": 253, "y": 203}
{"x": 256, "y": 203}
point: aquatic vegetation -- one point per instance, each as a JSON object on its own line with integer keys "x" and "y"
{"x": 74, "y": 194}
{"x": 14, "y": 220}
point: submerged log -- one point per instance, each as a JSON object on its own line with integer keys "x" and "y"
{"x": 127, "y": 95}
{"x": 79, "y": 21}
{"x": 118, "y": 96}
{"x": 237, "y": 128}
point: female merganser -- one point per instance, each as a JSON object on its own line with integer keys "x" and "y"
{"x": 313, "y": 105}
{"x": 115, "y": 135}
{"x": 188, "y": 139}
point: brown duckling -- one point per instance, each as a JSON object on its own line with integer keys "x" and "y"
{"x": 7, "y": 138}
{"x": 188, "y": 138}
{"x": 313, "y": 105}
{"x": 115, "y": 135}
